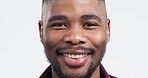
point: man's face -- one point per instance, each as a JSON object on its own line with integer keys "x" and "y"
{"x": 74, "y": 34}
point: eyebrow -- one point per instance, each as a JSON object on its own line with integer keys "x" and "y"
{"x": 83, "y": 17}
{"x": 90, "y": 16}
{"x": 56, "y": 18}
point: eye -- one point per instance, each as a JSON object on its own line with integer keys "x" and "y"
{"x": 90, "y": 25}
{"x": 59, "y": 25}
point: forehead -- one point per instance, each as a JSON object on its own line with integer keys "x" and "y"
{"x": 54, "y": 5}
{"x": 73, "y": 8}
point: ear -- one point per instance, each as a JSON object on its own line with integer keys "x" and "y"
{"x": 40, "y": 24}
{"x": 108, "y": 30}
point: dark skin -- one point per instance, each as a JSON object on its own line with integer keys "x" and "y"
{"x": 74, "y": 34}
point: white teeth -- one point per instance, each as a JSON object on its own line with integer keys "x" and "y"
{"x": 75, "y": 56}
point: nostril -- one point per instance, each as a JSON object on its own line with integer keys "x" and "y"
{"x": 81, "y": 42}
{"x": 75, "y": 39}
{"x": 75, "y": 43}
{"x": 69, "y": 42}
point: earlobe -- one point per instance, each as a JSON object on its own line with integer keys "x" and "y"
{"x": 108, "y": 29}
{"x": 40, "y": 24}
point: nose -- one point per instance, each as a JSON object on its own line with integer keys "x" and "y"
{"x": 75, "y": 36}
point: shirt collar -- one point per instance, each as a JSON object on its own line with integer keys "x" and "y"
{"x": 104, "y": 74}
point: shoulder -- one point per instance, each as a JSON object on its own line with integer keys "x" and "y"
{"x": 112, "y": 76}
{"x": 46, "y": 73}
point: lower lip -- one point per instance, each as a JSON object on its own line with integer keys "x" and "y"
{"x": 75, "y": 62}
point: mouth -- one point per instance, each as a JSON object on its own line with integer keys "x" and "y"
{"x": 74, "y": 58}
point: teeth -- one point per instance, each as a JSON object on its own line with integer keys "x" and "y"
{"x": 75, "y": 56}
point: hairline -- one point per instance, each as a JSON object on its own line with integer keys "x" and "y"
{"x": 45, "y": 2}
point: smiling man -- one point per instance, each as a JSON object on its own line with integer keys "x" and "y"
{"x": 74, "y": 34}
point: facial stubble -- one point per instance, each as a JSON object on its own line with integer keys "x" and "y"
{"x": 57, "y": 68}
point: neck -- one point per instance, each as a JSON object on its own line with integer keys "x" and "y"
{"x": 53, "y": 74}
{"x": 96, "y": 73}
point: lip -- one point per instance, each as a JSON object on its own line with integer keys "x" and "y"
{"x": 74, "y": 58}
{"x": 73, "y": 51}
{"x": 75, "y": 62}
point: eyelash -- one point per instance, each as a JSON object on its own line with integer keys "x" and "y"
{"x": 62, "y": 25}
{"x": 90, "y": 24}
{"x": 58, "y": 25}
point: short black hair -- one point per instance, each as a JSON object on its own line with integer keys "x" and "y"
{"x": 46, "y": 1}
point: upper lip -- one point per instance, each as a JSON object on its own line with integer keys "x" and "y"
{"x": 74, "y": 51}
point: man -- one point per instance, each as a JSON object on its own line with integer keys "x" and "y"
{"x": 74, "y": 34}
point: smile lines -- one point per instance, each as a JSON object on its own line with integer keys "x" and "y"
{"x": 75, "y": 56}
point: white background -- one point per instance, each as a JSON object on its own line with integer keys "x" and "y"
{"x": 22, "y": 56}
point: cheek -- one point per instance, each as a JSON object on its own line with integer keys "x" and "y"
{"x": 50, "y": 42}
{"x": 52, "y": 38}
{"x": 98, "y": 39}
{"x": 99, "y": 43}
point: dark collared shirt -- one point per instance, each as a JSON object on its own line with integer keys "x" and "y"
{"x": 47, "y": 73}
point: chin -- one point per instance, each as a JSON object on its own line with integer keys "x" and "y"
{"x": 82, "y": 72}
